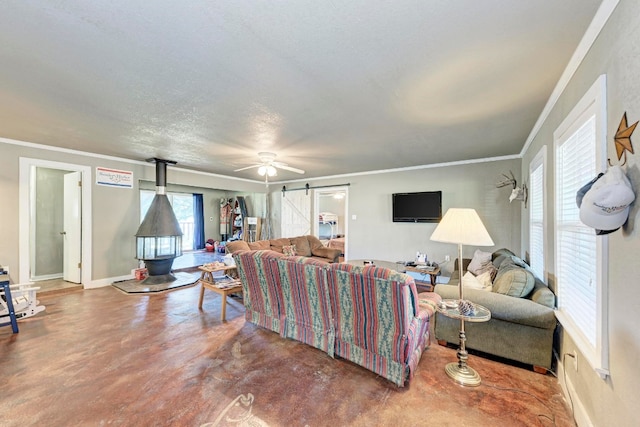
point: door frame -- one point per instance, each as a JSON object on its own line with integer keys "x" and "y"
{"x": 24, "y": 220}
{"x": 315, "y": 212}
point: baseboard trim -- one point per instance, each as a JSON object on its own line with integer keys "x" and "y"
{"x": 579, "y": 412}
{"x": 101, "y": 283}
{"x": 46, "y": 277}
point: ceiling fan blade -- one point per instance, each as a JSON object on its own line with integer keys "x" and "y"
{"x": 289, "y": 168}
{"x": 248, "y": 167}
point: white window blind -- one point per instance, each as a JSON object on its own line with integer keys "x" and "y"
{"x": 580, "y": 255}
{"x": 536, "y": 214}
{"x": 575, "y": 241}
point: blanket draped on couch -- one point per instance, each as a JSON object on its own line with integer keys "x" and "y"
{"x": 371, "y": 316}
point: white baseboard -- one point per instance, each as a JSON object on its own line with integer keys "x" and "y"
{"x": 579, "y": 412}
{"x": 100, "y": 283}
{"x": 46, "y": 277}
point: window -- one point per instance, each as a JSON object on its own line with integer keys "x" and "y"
{"x": 580, "y": 255}
{"x": 182, "y": 205}
{"x": 537, "y": 220}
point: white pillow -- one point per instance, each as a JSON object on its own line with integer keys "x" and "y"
{"x": 471, "y": 281}
{"x": 479, "y": 259}
{"x": 485, "y": 281}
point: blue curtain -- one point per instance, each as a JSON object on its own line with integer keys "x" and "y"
{"x": 198, "y": 219}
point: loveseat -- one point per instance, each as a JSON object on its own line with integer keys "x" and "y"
{"x": 307, "y": 246}
{"x": 522, "y": 321}
{"x": 371, "y": 316}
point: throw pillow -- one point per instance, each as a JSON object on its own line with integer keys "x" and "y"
{"x": 486, "y": 280}
{"x": 479, "y": 259}
{"x": 471, "y": 281}
{"x": 289, "y": 250}
{"x": 513, "y": 280}
{"x": 500, "y": 255}
{"x": 488, "y": 267}
{"x": 302, "y": 245}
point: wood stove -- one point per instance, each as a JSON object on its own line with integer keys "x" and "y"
{"x": 159, "y": 237}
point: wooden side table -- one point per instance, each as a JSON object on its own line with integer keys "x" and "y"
{"x": 207, "y": 281}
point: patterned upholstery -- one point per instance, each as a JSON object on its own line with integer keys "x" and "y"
{"x": 371, "y": 316}
{"x": 307, "y": 311}
{"x": 262, "y": 292}
{"x": 379, "y": 324}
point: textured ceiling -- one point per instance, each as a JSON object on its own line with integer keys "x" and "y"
{"x": 331, "y": 86}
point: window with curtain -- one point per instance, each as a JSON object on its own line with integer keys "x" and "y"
{"x": 580, "y": 256}
{"x": 537, "y": 223}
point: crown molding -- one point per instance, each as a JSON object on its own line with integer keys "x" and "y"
{"x": 599, "y": 20}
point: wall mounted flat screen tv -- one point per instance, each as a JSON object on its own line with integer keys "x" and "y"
{"x": 425, "y": 206}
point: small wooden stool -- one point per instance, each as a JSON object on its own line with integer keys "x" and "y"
{"x": 207, "y": 281}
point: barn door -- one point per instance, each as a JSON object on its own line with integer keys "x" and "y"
{"x": 296, "y": 214}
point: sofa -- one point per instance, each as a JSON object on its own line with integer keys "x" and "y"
{"x": 522, "y": 321}
{"x": 307, "y": 246}
{"x": 371, "y": 316}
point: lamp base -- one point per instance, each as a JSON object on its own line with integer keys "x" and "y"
{"x": 463, "y": 375}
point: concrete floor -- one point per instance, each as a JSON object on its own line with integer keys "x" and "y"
{"x": 100, "y": 357}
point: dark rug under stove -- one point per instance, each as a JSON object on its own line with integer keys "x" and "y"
{"x": 138, "y": 287}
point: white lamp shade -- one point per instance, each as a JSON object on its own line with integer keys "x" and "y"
{"x": 462, "y": 226}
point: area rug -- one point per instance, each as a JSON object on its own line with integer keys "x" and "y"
{"x": 137, "y": 287}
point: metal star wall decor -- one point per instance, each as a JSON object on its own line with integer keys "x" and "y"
{"x": 623, "y": 139}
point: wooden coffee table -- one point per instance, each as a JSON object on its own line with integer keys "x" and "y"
{"x": 230, "y": 287}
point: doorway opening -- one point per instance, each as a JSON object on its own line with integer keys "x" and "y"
{"x": 55, "y": 221}
{"x": 330, "y": 223}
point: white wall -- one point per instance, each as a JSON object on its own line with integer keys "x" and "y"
{"x": 373, "y": 234}
{"x": 116, "y": 211}
{"x": 616, "y": 52}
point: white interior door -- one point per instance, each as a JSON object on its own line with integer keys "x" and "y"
{"x": 296, "y": 214}
{"x": 72, "y": 249}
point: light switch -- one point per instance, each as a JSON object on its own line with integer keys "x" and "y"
{"x": 354, "y": 217}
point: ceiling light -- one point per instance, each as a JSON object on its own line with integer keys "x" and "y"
{"x": 267, "y": 170}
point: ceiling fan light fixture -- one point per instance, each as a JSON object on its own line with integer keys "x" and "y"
{"x": 267, "y": 170}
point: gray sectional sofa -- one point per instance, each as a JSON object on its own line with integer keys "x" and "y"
{"x": 520, "y": 329}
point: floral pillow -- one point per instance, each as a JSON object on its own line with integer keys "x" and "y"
{"x": 289, "y": 250}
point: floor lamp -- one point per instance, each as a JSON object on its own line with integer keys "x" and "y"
{"x": 462, "y": 227}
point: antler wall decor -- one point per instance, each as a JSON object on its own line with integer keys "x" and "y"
{"x": 517, "y": 193}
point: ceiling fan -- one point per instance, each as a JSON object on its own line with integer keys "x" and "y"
{"x": 268, "y": 166}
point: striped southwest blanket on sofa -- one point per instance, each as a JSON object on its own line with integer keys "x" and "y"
{"x": 368, "y": 315}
